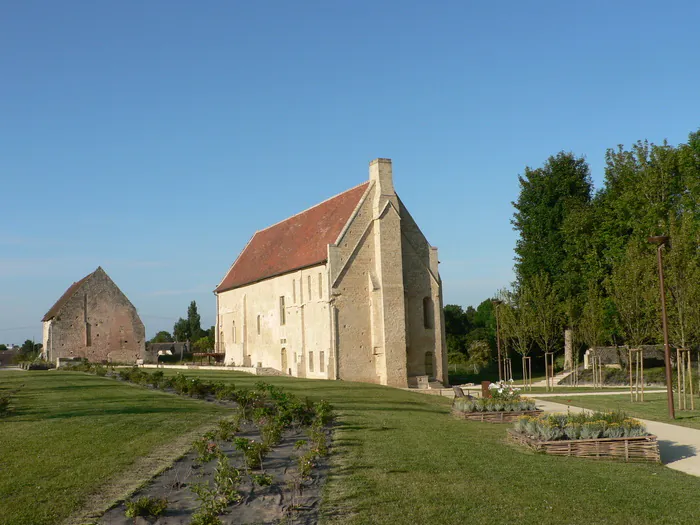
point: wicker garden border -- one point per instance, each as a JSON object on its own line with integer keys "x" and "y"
{"x": 494, "y": 417}
{"x": 642, "y": 448}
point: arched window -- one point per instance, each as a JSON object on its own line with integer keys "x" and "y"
{"x": 428, "y": 313}
{"x": 258, "y": 325}
{"x": 233, "y": 331}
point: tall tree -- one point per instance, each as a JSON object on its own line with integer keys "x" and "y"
{"x": 162, "y": 337}
{"x": 682, "y": 269}
{"x": 548, "y": 195}
{"x": 181, "y": 330}
{"x": 194, "y": 322}
{"x": 635, "y": 291}
{"x": 546, "y": 312}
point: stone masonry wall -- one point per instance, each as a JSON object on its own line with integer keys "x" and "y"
{"x": 97, "y": 323}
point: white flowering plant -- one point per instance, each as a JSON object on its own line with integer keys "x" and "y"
{"x": 504, "y": 390}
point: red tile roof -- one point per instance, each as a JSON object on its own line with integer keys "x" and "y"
{"x": 297, "y": 242}
{"x": 56, "y": 308}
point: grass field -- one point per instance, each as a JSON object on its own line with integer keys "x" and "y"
{"x": 73, "y": 435}
{"x": 654, "y": 407}
{"x": 398, "y": 458}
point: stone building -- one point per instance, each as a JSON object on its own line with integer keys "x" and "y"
{"x": 93, "y": 319}
{"x": 348, "y": 289}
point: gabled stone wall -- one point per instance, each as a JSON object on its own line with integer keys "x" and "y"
{"x": 98, "y": 323}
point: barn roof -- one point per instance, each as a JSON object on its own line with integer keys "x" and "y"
{"x": 297, "y": 242}
{"x": 56, "y": 308}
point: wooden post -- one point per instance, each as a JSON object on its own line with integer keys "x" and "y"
{"x": 629, "y": 367}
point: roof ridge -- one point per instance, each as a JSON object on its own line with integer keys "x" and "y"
{"x": 70, "y": 292}
{"x": 311, "y": 207}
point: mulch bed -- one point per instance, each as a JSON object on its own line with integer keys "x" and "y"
{"x": 494, "y": 417}
{"x": 287, "y": 500}
{"x": 644, "y": 448}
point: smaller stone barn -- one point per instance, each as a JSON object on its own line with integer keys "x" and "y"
{"x": 94, "y": 320}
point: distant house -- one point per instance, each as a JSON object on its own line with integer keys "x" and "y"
{"x": 348, "y": 289}
{"x": 153, "y": 350}
{"x": 93, "y": 319}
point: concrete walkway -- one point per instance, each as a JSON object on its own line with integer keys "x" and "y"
{"x": 679, "y": 446}
{"x": 612, "y": 393}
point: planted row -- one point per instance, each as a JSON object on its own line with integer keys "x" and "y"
{"x": 465, "y": 404}
{"x": 584, "y": 425}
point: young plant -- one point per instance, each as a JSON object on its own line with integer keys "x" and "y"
{"x": 227, "y": 429}
{"x": 206, "y": 449}
{"x": 146, "y": 507}
{"x": 262, "y": 480}
{"x": 253, "y": 452}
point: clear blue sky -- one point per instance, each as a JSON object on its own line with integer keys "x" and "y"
{"x": 153, "y": 138}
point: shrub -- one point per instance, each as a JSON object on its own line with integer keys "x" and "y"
{"x": 206, "y": 449}
{"x": 225, "y": 392}
{"x": 504, "y": 390}
{"x": 227, "y": 429}
{"x": 306, "y": 464}
{"x": 253, "y": 452}
{"x": 271, "y": 432}
{"x": 592, "y": 429}
{"x": 465, "y": 404}
{"x": 146, "y": 507}
{"x": 583, "y": 425}
{"x": 573, "y": 431}
{"x": 262, "y": 480}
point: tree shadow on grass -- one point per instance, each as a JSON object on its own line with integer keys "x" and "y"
{"x": 120, "y": 411}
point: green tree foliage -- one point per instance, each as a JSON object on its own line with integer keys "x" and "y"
{"x": 162, "y": 337}
{"x": 464, "y": 327}
{"x": 204, "y": 344}
{"x": 546, "y": 314}
{"x": 682, "y": 275}
{"x": 594, "y": 249}
{"x": 189, "y": 329}
{"x": 479, "y": 355}
{"x": 549, "y": 196}
{"x": 194, "y": 322}
{"x": 3, "y": 348}
{"x": 517, "y": 321}
{"x": 635, "y": 291}
{"x": 181, "y": 330}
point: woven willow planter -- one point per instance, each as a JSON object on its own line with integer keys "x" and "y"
{"x": 494, "y": 417}
{"x": 644, "y": 448}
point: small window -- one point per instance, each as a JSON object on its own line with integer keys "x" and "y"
{"x": 428, "y": 314}
{"x": 308, "y": 280}
{"x": 321, "y": 361}
{"x": 283, "y": 316}
{"x": 311, "y": 361}
{"x": 320, "y": 289}
{"x": 429, "y": 364}
{"x": 258, "y": 325}
{"x": 233, "y": 332}
{"x": 294, "y": 291}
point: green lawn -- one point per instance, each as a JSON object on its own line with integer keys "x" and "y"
{"x": 399, "y": 458}
{"x": 654, "y": 407}
{"x": 74, "y": 435}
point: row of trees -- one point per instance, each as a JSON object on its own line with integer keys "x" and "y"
{"x": 189, "y": 329}
{"x": 582, "y": 258}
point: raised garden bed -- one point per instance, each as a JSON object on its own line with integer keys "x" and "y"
{"x": 641, "y": 448}
{"x": 494, "y": 417}
{"x": 503, "y": 406}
